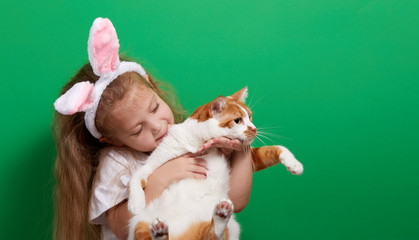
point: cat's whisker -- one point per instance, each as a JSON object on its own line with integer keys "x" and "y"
{"x": 266, "y": 127}
{"x": 250, "y": 101}
{"x": 251, "y": 105}
{"x": 246, "y": 149}
{"x": 263, "y": 136}
{"x": 273, "y": 136}
{"x": 258, "y": 138}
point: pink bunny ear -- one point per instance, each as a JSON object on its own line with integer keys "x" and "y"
{"x": 76, "y": 99}
{"x": 103, "y": 47}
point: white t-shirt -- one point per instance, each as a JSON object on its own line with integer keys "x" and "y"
{"x": 111, "y": 186}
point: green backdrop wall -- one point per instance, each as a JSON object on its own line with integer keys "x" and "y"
{"x": 334, "y": 81}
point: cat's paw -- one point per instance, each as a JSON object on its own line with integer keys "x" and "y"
{"x": 224, "y": 209}
{"x": 158, "y": 230}
{"x": 289, "y": 161}
{"x": 136, "y": 203}
{"x": 134, "y": 207}
{"x": 222, "y": 213}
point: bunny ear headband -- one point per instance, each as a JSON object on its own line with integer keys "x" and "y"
{"x": 103, "y": 47}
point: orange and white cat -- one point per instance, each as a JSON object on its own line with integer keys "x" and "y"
{"x": 200, "y": 209}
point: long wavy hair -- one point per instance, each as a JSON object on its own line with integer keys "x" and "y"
{"x": 78, "y": 152}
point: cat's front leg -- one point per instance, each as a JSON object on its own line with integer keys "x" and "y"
{"x": 266, "y": 156}
{"x": 290, "y": 162}
{"x": 136, "y": 201}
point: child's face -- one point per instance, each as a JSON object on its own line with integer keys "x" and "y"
{"x": 141, "y": 120}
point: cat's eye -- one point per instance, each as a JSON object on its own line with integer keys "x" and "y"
{"x": 238, "y": 120}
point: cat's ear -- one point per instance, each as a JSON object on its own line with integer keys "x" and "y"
{"x": 218, "y": 105}
{"x": 241, "y": 95}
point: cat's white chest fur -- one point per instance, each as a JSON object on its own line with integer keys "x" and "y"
{"x": 190, "y": 200}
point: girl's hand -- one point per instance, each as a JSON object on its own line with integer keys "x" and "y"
{"x": 241, "y": 173}
{"x": 186, "y": 166}
{"x": 226, "y": 145}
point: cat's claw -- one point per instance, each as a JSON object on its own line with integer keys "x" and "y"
{"x": 289, "y": 161}
{"x": 158, "y": 230}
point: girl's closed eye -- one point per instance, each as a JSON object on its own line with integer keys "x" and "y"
{"x": 139, "y": 131}
{"x": 156, "y": 108}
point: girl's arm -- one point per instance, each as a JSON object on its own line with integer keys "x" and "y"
{"x": 118, "y": 219}
{"x": 241, "y": 174}
{"x": 186, "y": 166}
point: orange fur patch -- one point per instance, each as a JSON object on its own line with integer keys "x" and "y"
{"x": 264, "y": 157}
{"x": 143, "y": 184}
{"x": 232, "y": 110}
{"x": 141, "y": 231}
{"x": 203, "y": 113}
{"x": 202, "y": 231}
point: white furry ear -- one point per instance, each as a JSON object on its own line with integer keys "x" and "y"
{"x": 103, "y": 47}
{"x": 76, "y": 99}
{"x": 241, "y": 95}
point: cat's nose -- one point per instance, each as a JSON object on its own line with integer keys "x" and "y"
{"x": 253, "y": 129}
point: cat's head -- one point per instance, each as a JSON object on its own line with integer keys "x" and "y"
{"x": 231, "y": 114}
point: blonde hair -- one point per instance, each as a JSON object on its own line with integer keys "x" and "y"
{"x": 78, "y": 152}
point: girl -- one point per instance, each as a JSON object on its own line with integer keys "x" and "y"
{"x": 112, "y": 114}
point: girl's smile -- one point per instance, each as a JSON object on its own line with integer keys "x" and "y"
{"x": 164, "y": 135}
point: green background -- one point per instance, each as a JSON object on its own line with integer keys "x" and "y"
{"x": 334, "y": 81}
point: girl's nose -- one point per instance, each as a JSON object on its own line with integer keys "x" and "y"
{"x": 155, "y": 126}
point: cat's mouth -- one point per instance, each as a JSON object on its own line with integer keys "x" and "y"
{"x": 247, "y": 141}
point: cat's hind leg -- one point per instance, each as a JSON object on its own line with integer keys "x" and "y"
{"x": 158, "y": 230}
{"x": 141, "y": 232}
{"x": 222, "y": 213}
{"x": 216, "y": 229}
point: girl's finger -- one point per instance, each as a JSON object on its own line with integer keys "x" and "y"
{"x": 198, "y": 169}
{"x": 197, "y": 176}
{"x": 224, "y": 142}
{"x": 200, "y": 162}
{"x": 206, "y": 145}
{"x": 226, "y": 151}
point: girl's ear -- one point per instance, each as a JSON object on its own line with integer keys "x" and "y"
{"x": 241, "y": 95}
{"x": 103, "y": 47}
{"x": 110, "y": 141}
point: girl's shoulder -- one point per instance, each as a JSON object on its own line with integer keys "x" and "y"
{"x": 111, "y": 181}
{"x": 117, "y": 158}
